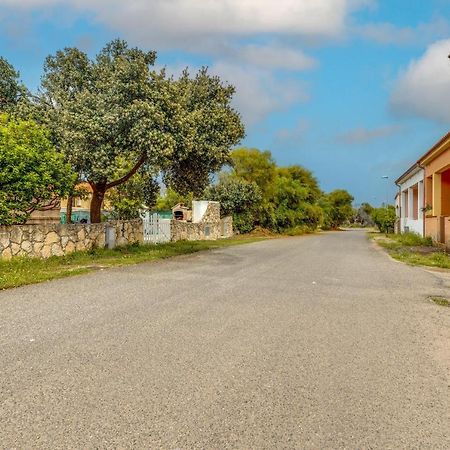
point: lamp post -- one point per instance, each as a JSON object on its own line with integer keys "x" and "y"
{"x": 385, "y": 177}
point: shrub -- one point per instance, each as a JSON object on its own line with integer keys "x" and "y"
{"x": 32, "y": 173}
{"x": 385, "y": 218}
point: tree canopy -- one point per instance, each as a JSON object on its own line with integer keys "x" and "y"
{"x": 338, "y": 209}
{"x": 11, "y": 88}
{"x": 238, "y": 198}
{"x": 253, "y": 165}
{"x": 32, "y": 173}
{"x": 113, "y": 116}
{"x": 263, "y": 194}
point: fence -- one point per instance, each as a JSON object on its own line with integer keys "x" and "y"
{"x": 156, "y": 229}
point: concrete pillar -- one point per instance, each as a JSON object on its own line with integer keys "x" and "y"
{"x": 436, "y": 194}
{"x": 402, "y": 211}
{"x": 410, "y": 203}
{"x": 421, "y": 200}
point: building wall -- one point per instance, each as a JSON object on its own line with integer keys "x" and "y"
{"x": 437, "y": 173}
{"x": 45, "y": 217}
{"x": 438, "y": 164}
{"x": 43, "y": 241}
{"x": 411, "y": 203}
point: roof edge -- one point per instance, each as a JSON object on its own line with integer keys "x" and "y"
{"x": 415, "y": 168}
{"x": 436, "y": 150}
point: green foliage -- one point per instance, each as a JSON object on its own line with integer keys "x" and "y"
{"x": 294, "y": 200}
{"x": 411, "y": 240}
{"x": 235, "y": 195}
{"x": 139, "y": 193}
{"x": 305, "y": 179}
{"x": 288, "y": 196}
{"x": 114, "y": 108}
{"x": 32, "y": 172}
{"x": 412, "y": 249}
{"x": 238, "y": 198}
{"x": 337, "y": 207}
{"x": 11, "y": 88}
{"x": 209, "y": 129}
{"x": 172, "y": 198}
{"x": 255, "y": 166}
{"x": 385, "y": 218}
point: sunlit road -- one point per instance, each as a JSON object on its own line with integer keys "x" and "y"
{"x": 317, "y": 342}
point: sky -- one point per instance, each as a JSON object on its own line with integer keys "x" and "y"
{"x": 354, "y": 90}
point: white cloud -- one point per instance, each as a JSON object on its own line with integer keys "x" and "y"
{"x": 364, "y": 135}
{"x": 423, "y": 89}
{"x": 226, "y": 32}
{"x": 185, "y": 22}
{"x": 276, "y": 57}
{"x": 259, "y": 92}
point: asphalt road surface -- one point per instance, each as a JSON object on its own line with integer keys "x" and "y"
{"x": 317, "y": 342}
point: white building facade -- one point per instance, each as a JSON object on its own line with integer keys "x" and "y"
{"x": 411, "y": 201}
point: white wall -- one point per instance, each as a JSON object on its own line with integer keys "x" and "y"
{"x": 199, "y": 208}
{"x": 407, "y": 220}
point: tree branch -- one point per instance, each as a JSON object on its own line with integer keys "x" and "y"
{"x": 125, "y": 178}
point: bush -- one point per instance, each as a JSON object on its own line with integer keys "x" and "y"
{"x": 238, "y": 198}
{"x": 414, "y": 240}
{"x": 337, "y": 208}
{"x": 33, "y": 174}
{"x": 385, "y": 219}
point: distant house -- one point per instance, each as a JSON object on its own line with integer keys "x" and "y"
{"x": 81, "y": 206}
{"x": 410, "y": 200}
{"x": 49, "y": 214}
{"x": 423, "y": 201}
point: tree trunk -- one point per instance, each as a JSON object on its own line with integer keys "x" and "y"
{"x": 98, "y": 195}
{"x": 69, "y": 209}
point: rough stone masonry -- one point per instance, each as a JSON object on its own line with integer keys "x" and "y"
{"x": 43, "y": 241}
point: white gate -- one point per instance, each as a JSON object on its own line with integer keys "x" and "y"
{"x": 156, "y": 229}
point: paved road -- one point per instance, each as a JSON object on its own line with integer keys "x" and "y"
{"x": 319, "y": 342}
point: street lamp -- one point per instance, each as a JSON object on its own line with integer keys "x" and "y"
{"x": 385, "y": 177}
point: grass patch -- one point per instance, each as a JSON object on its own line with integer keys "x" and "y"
{"x": 23, "y": 271}
{"x": 441, "y": 301}
{"x": 413, "y": 249}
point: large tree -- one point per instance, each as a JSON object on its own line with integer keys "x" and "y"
{"x": 114, "y": 115}
{"x": 337, "y": 206}
{"x": 33, "y": 175}
{"x": 12, "y": 90}
{"x": 253, "y": 165}
{"x": 295, "y": 197}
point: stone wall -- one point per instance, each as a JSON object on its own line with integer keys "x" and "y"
{"x": 210, "y": 227}
{"x": 43, "y": 241}
{"x": 189, "y": 231}
{"x": 212, "y": 214}
{"x": 226, "y": 225}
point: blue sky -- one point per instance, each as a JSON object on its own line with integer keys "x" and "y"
{"x": 351, "y": 89}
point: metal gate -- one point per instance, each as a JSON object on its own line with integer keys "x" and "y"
{"x": 156, "y": 229}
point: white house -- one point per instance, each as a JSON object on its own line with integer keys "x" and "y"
{"x": 411, "y": 200}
